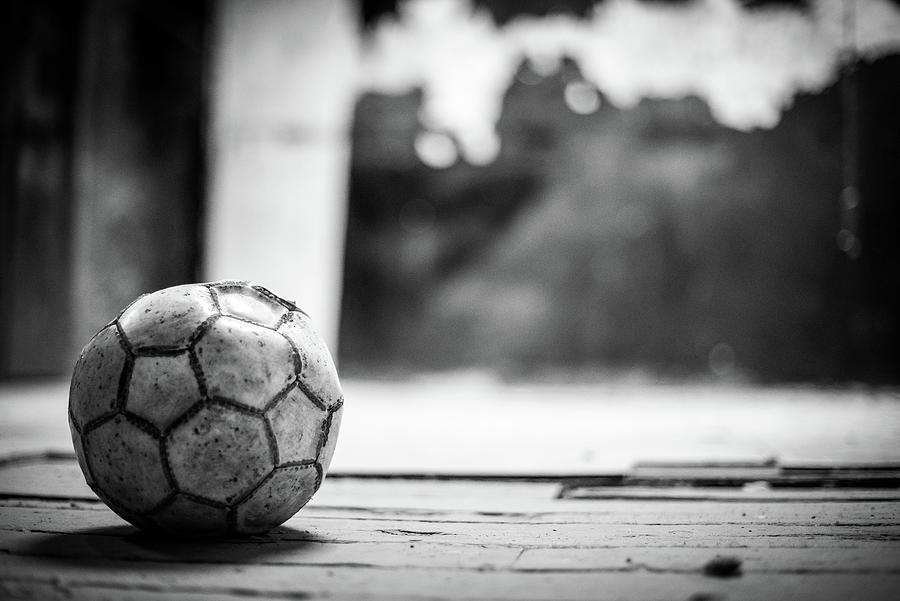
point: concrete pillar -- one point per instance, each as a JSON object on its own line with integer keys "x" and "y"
{"x": 283, "y": 89}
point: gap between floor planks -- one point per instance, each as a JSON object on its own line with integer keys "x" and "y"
{"x": 455, "y": 539}
{"x": 353, "y": 554}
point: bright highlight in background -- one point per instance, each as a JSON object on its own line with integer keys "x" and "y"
{"x": 747, "y": 65}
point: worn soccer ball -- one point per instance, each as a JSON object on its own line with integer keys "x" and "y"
{"x": 206, "y": 410}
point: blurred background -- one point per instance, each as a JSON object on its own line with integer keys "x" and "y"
{"x": 697, "y": 190}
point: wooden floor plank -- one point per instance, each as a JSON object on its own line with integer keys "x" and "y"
{"x": 523, "y": 534}
{"x": 60, "y": 478}
{"x": 372, "y": 538}
{"x": 597, "y": 512}
{"x": 130, "y": 546}
{"x": 414, "y": 553}
{"x": 361, "y": 582}
{"x": 625, "y": 550}
{"x": 686, "y": 559}
{"x": 24, "y": 589}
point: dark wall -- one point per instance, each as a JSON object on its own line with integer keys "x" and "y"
{"x": 873, "y": 312}
{"x": 139, "y": 164}
{"x": 41, "y": 42}
{"x": 652, "y": 238}
{"x": 101, "y": 166}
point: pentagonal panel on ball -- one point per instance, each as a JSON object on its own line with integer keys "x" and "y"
{"x": 297, "y": 423}
{"x": 244, "y": 362}
{"x": 162, "y": 388}
{"x": 318, "y": 373}
{"x": 184, "y": 516}
{"x": 219, "y": 452}
{"x": 242, "y": 300}
{"x": 277, "y": 499}
{"x": 95, "y": 383}
{"x": 126, "y": 465}
{"x": 167, "y": 318}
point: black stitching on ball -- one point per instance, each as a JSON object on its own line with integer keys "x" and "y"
{"x": 285, "y": 317}
{"x": 167, "y": 350}
{"x": 254, "y": 488}
{"x": 188, "y": 414}
{"x": 320, "y": 475}
{"x": 124, "y": 383}
{"x": 273, "y": 442}
{"x": 311, "y": 395}
{"x": 168, "y": 500}
{"x": 289, "y": 305}
{"x": 141, "y": 423}
{"x": 228, "y": 284}
{"x": 323, "y": 435}
{"x": 73, "y": 421}
{"x": 123, "y": 340}
{"x": 280, "y": 396}
{"x": 199, "y": 376}
{"x": 98, "y": 421}
{"x": 203, "y": 500}
{"x": 296, "y": 355}
{"x": 202, "y": 329}
{"x": 166, "y": 465}
{"x": 236, "y": 405}
{"x": 214, "y": 295}
{"x": 301, "y": 463}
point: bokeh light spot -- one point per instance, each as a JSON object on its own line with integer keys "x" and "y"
{"x": 435, "y": 149}
{"x": 722, "y": 360}
{"x": 849, "y": 243}
{"x": 582, "y": 98}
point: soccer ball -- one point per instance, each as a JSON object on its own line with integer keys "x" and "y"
{"x": 206, "y": 410}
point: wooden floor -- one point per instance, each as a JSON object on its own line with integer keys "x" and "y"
{"x": 482, "y": 537}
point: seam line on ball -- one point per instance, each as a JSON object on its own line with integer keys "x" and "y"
{"x": 236, "y": 405}
{"x": 124, "y": 382}
{"x": 161, "y": 350}
{"x": 167, "y": 467}
{"x": 273, "y": 442}
{"x": 280, "y": 396}
{"x": 311, "y": 395}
